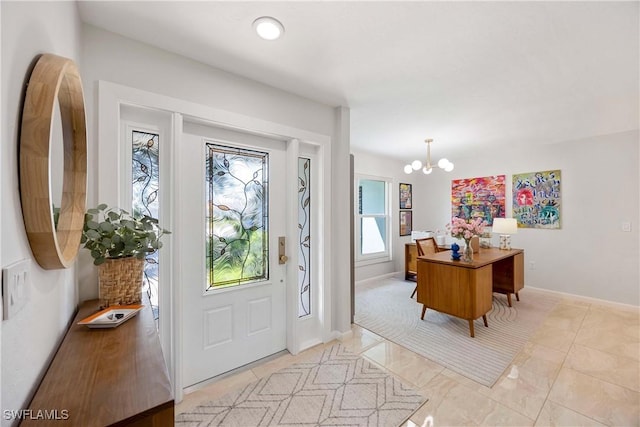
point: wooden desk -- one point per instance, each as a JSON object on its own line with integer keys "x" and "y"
{"x": 105, "y": 377}
{"x": 464, "y": 289}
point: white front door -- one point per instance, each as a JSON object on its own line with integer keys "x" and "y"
{"x": 231, "y": 215}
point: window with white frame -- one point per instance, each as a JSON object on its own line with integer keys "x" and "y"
{"x": 373, "y": 222}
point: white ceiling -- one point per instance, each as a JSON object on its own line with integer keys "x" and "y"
{"x": 470, "y": 75}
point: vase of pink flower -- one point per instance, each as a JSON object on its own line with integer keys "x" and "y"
{"x": 465, "y": 230}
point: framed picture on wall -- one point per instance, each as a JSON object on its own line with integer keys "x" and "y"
{"x": 481, "y": 197}
{"x": 537, "y": 199}
{"x": 405, "y": 196}
{"x": 405, "y": 223}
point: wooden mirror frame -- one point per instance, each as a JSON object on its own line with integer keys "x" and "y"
{"x": 53, "y": 79}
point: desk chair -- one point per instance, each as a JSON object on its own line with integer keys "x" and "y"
{"x": 425, "y": 246}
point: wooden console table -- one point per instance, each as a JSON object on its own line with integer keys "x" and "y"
{"x": 105, "y": 377}
{"x": 464, "y": 289}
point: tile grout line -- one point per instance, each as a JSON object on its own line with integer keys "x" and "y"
{"x": 407, "y": 381}
{"x": 602, "y": 351}
{"x": 564, "y": 360}
{"x": 519, "y": 411}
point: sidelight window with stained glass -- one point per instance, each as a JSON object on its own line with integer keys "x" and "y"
{"x": 236, "y": 216}
{"x": 304, "y": 236}
{"x": 145, "y": 200}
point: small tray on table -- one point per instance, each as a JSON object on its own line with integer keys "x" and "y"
{"x": 111, "y": 317}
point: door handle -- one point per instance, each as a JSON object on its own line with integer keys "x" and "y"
{"x": 282, "y": 258}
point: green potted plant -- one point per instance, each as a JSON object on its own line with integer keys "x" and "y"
{"x": 119, "y": 243}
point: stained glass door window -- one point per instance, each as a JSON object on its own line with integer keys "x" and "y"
{"x": 145, "y": 201}
{"x": 304, "y": 234}
{"x": 236, "y": 216}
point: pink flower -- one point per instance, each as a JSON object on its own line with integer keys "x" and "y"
{"x": 461, "y": 229}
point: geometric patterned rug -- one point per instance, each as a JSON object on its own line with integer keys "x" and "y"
{"x": 333, "y": 387}
{"x": 384, "y": 307}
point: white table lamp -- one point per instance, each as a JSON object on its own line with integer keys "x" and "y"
{"x": 505, "y": 227}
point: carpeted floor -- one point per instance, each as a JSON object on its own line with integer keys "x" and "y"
{"x": 334, "y": 387}
{"x": 384, "y": 307}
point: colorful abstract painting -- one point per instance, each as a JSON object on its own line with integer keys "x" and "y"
{"x": 406, "y": 223}
{"x": 536, "y": 199}
{"x": 482, "y": 197}
{"x": 405, "y": 196}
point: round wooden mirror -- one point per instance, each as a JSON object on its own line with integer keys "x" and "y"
{"x": 54, "y": 92}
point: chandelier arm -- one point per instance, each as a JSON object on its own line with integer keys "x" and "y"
{"x": 428, "y": 167}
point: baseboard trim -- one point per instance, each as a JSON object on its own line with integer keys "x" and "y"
{"x": 581, "y": 298}
{"x": 340, "y": 336}
{"x": 396, "y": 274}
{"x": 243, "y": 368}
{"x": 308, "y": 344}
{"x": 589, "y": 300}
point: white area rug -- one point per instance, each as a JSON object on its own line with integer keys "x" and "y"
{"x": 384, "y": 307}
{"x": 335, "y": 387}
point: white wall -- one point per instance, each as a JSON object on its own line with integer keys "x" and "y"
{"x": 108, "y": 56}
{"x": 340, "y": 244}
{"x": 370, "y": 164}
{"x": 590, "y": 255}
{"x": 30, "y": 338}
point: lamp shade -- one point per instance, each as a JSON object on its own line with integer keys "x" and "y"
{"x": 505, "y": 226}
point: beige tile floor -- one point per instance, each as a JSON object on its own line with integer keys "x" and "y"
{"x": 581, "y": 368}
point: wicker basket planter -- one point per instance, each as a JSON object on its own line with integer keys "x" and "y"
{"x": 120, "y": 281}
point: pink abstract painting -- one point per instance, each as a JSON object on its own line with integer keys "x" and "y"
{"x": 482, "y": 197}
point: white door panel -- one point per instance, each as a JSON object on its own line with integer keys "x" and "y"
{"x": 227, "y": 328}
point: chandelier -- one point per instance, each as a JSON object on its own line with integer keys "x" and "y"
{"x": 427, "y": 169}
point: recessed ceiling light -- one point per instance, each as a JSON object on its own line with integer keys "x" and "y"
{"x": 268, "y": 28}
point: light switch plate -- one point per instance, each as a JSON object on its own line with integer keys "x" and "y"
{"x": 626, "y": 226}
{"x": 15, "y": 287}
